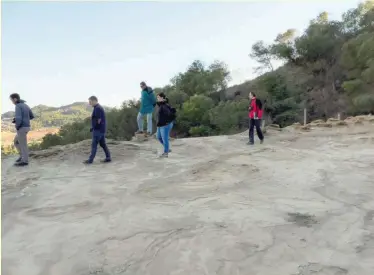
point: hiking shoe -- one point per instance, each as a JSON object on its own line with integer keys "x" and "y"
{"x": 87, "y": 162}
{"x": 21, "y": 163}
{"x": 164, "y": 155}
{"x": 18, "y": 160}
{"x": 106, "y": 160}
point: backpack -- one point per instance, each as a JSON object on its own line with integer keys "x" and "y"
{"x": 173, "y": 113}
{"x": 258, "y": 104}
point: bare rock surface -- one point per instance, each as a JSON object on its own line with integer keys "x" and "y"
{"x": 301, "y": 203}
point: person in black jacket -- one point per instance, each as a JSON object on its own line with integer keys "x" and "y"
{"x": 165, "y": 121}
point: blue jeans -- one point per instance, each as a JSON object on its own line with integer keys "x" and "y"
{"x": 98, "y": 139}
{"x": 163, "y": 135}
{"x": 140, "y": 121}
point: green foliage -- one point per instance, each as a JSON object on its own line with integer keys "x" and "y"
{"x": 336, "y": 56}
{"x": 200, "y": 131}
{"x": 201, "y": 80}
{"x": 8, "y": 150}
{"x": 230, "y": 116}
{"x": 282, "y": 103}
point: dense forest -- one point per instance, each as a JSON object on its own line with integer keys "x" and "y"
{"x": 328, "y": 69}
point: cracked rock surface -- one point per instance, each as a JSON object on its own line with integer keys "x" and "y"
{"x": 302, "y": 203}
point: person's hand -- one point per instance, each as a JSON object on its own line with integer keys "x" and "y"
{"x": 14, "y": 120}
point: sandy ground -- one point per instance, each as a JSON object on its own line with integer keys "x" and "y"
{"x": 300, "y": 204}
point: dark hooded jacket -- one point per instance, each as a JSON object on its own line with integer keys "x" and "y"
{"x": 23, "y": 115}
{"x": 165, "y": 114}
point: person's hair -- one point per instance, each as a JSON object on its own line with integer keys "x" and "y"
{"x": 15, "y": 96}
{"x": 93, "y": 98}
{"x": 162, "y": 95}
{"x": 253, "y": 94}
{"x": 143, "y": 83}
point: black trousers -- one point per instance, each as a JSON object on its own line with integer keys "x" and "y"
{"x": 252, "y": 124}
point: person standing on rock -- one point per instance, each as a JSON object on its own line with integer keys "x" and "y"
{"x": 165, "y": 122}
{"x": 147, "y": 105}
{"x": 23, "y": 116}
{"x": 255, "y": 116}
{"x": 98, "y": 129}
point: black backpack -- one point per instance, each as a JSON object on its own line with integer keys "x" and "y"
{"x": 173, "y": 113}
{"x": 258, "y": 104}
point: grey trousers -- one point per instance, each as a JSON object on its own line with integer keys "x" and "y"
{"x": 20, "y": 142}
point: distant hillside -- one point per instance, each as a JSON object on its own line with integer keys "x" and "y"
{"x": 51, "y": 117}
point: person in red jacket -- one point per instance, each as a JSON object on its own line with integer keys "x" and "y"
{"x": 255, "y": 116}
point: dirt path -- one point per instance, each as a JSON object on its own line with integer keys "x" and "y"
{"x": 300, "y": 204}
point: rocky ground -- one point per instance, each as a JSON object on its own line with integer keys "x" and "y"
{"x": 302, "y": 203}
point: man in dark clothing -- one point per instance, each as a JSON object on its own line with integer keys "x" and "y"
{"x": 255, "y": 116}
{"x": 98, "y": 129}
{"x": 22, "y": 118}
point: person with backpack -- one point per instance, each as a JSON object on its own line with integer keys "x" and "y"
{"x": 255, "y": 116}
{"x": 165, "y": 121}
{"x": 23, "y": 116}
{"x": 147, "y": 105}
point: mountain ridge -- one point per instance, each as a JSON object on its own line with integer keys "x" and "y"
{"x": 51, "y": 117}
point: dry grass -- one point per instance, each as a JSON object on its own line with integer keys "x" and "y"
{"x": 7, "y": 137}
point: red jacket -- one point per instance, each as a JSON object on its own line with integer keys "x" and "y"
{"x": 254, "y": 110}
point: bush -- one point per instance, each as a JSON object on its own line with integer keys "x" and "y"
{"x": 200, "y": 131}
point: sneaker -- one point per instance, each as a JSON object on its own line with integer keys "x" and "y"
{"x": 169, "y": 150}
{"x": 87, "y": 162}
{"x": 262, "y": 141}
{"x": 18, "y": 160}
{"x": 164, "y": 155}
{"x": 250, "y": 143}
{"x": 21, "y": 163}
{"x": 139, "y": 132}
{"x": 106, "y": 160}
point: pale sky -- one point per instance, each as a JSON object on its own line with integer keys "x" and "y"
{"x": 56, "y": 53}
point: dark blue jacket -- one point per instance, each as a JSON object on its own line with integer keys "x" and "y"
{"x": 98, "y": 121}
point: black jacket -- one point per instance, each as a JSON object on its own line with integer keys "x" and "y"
{"x": 164, "y": 114}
